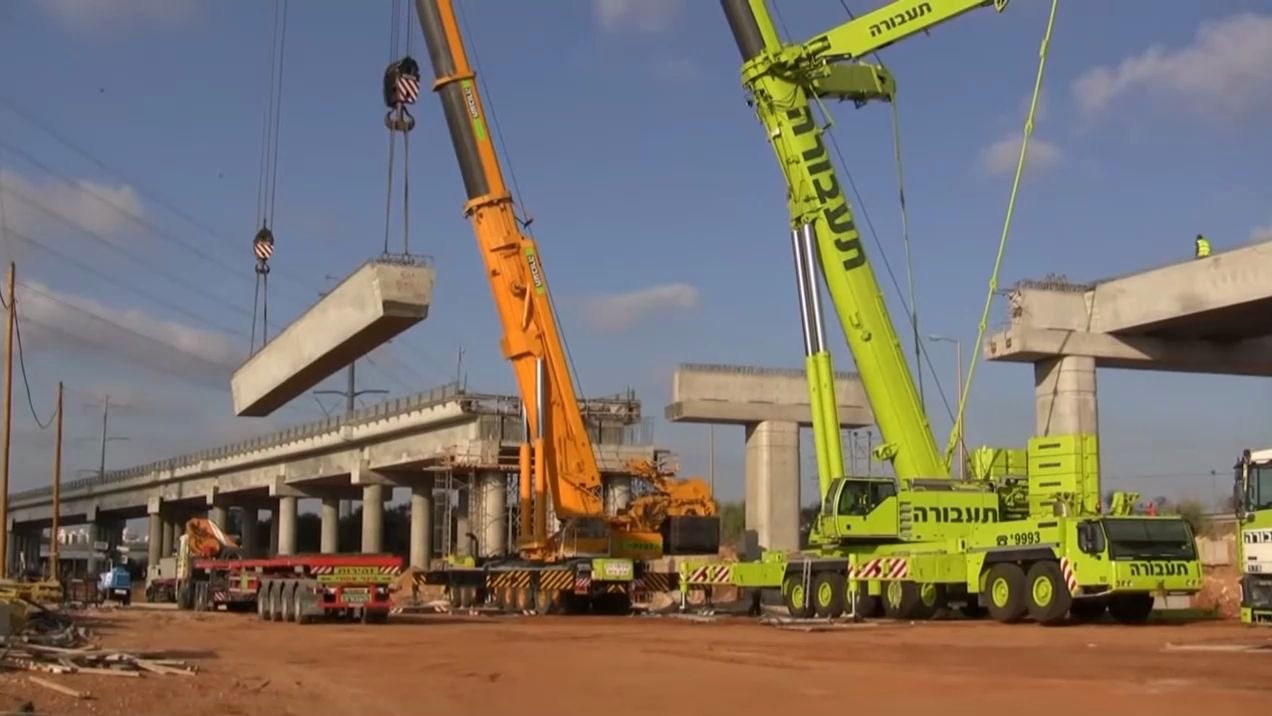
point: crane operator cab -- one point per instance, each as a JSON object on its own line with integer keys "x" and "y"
{"x": 858, "y": 508}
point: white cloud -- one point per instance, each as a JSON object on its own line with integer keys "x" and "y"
{"x": 95, "y": 15}
{"x": 1227, "y": 68}
{"x": 641, "y": 15}
{"x": 55, "y": 319}
{"x": 618, "y": 311}
{"x": 32, "y": 206}
{"x": 1001, "y": 156}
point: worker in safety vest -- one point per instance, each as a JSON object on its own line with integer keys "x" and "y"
{"x": 1203, "y": 247}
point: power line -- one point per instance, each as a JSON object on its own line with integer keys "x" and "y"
{"x": 17, "y": 326}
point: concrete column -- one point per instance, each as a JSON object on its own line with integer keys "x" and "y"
{"x": 772, "y": 486}
{"x": 330, "y": 515}
{"x": 463, "y": 525}
{"x": 94, "y": 534}
{"x": 167, "y": 538}
{"x": 154, "y": 539}
{"x": 345, "y": 509}
{"x": 492, "y": 529}
{"x": 219, "y": 516}
{"x": 286, "y": 525}
{"x": 372, "y": 518}
{"x": 422, "y": 522}
{"x": 11, "y": 553}
{"x": 249, "y": 540}
{"x": 618, "y": 493}
{"x": 1064, "y": 396}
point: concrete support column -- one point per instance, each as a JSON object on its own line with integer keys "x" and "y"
{"x": 463, "y": 525}
{"x": 94, "y": 534}
{"x": 168, "y": 537}
{"x": 372, "y": 518}
{"x": 330, "y": 516}
{"x": 422, "y": 522}
{"x": 492, "y": 530}
{"x": 618, "y": 493}
{"x": 249, "y": 540}
{"x": 772, "y": 486}
{"x": 219, "y": 516}
{"x": 1064, "y": 396}
{"x": 286, "y": 525}
{"x": 154, "y": 539}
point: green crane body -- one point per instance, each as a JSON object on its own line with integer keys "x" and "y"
{"x": 1252, "y": 498}
{"x": 1026, "y": 535}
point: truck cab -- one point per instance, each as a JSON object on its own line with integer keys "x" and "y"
{"x": 115, "y": 584}
{"x": 1252, "y": 498}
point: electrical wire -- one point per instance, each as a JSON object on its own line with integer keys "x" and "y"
{"x": 17, "y": 327}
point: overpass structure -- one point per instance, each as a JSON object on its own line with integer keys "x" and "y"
{"x": 771, "y": 404}
{"x": 447, "y": 442}
{"x": 1209, "y": 315}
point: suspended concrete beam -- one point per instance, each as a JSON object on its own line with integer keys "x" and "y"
{"x": 744, "y": 395}
{"x": 378, "y": 301}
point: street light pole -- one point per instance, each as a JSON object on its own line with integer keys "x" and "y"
{"x": 958, "y": 357}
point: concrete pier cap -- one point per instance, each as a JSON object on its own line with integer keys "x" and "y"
{"x": 379, "y": 300}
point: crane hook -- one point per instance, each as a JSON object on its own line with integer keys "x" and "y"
{"x": 401, "y": 88}
{"x": 263, "y": 247}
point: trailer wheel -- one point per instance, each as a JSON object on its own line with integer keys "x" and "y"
{"x": 275, "y": 605}
{"x": 286, "y": 602}
{"x": 1131, "y": 608}
{"x": 828, "y": 595}
{"x": 262, "y": 600}
{"x": 798, "y": 603}
{"x": 1005, "y": 593}
{"x": 1049, "y": 597}
{"x": 545, "y": 601}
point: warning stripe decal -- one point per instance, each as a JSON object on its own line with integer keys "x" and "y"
{"x": 1070, "y": 578}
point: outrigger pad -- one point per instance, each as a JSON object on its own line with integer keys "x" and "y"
{"x": 691, "y": 535}
{"x": 381, "y": 299}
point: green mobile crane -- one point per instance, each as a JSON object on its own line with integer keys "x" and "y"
{"x": 1252, "y": 498}
{"x": 1025, "y": 535}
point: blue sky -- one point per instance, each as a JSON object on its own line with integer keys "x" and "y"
{"x": 658, "y": 208}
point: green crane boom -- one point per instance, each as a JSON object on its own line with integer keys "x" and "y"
{"x": 782, "y": 80}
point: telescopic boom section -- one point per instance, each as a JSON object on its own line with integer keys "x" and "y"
{"x": 781, "y": 79}
{"x": 563, "y": 461}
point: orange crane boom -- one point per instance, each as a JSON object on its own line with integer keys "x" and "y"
{"x": 556, "y": 457}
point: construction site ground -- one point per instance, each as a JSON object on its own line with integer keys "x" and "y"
{"x": 449, "y": 664}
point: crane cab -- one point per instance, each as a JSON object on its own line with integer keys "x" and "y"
{"x": 858, "y": 508}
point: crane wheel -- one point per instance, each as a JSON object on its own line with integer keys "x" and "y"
{"x": 523, "y": 600}
{"x": 911, "y": 600}
{"x": 1131, "y": 608}
{"x": 1049, "y": 597}
{"x": 865, "y": 604}
{"x": 1005, "y": 593}
{"x": 798, "y": 603}
{"x": 828, "y": 595}
{"x": 1088, "y": 610}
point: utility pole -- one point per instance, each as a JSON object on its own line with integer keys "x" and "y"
{"x": 57, "y": 491}
{"x": 958, "y": 427}
{"x": 8, "y": 415}
{"x": 105, "y": 437}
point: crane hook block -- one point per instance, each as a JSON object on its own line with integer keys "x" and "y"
{"x": 401, "y": 82}
{"x": 263, "y": 247}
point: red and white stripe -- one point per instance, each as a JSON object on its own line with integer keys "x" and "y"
{"x": 712, "y": 574}
{"x": 884, "y": 568}
{"x": 1070, "y": 579}
{"x": 582, "y": 584}
{"x": 263, "y": 250}
{"x": 408, "y": 88}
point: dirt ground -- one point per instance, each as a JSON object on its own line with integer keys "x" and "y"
{"x": 441, "y": 664}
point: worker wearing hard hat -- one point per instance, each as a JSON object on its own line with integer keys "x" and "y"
{"x": 1202, "y": 247}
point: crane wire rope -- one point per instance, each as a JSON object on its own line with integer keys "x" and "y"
{"x": 488, "y": 100}
{"x": 267, "y": 186}
{"x": 1043, "y": 50}
{"x": 401, "y": 88}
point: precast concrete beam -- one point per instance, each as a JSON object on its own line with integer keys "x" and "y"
{"x": 376, "y": 302}
{"x": 1019, "y": 344}
{"x": 724, "y": 394}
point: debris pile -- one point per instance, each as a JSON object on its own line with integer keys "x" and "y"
{"x": 51, "y": 642}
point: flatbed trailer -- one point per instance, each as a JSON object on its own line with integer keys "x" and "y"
{"x": 608, "y": 585}
{"x": 294, "y": 588}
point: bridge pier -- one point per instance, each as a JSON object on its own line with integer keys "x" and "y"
{"x": 219, "y": 516}
{"x": 249, "y": 541}
{"x": 272, "y": 549}
{"x": 154, "y": 538}
{"x": 330, "y": 518}
{"x": 492, "y": 501}
{"x": 168, "y": 535}
{"x": 286, "y": 521}
{"x": 372, "y": 518}
{"x": 422, "y": 521}
{"x": 463, "y": 523}
{"x": 1065, "y": 396}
